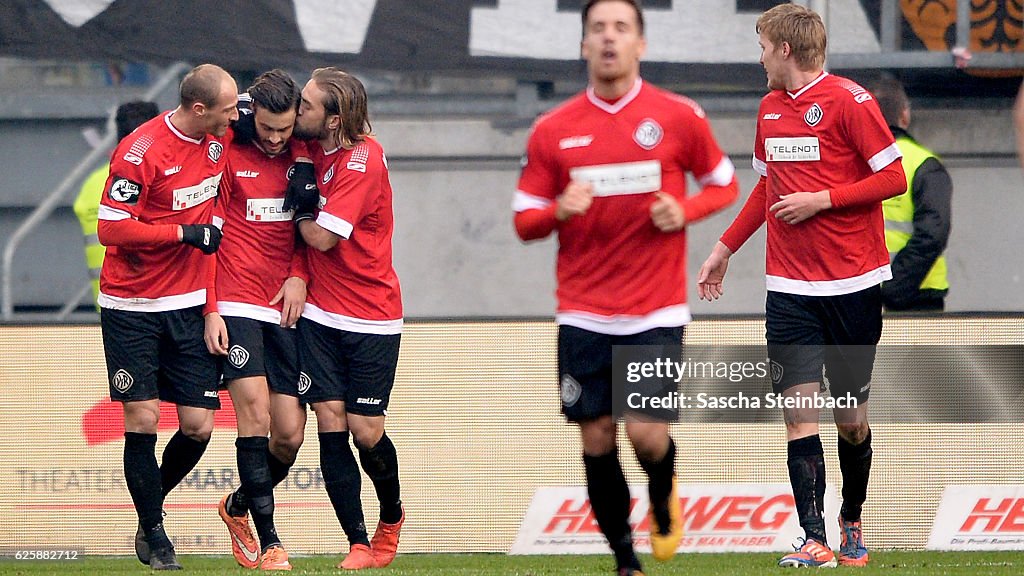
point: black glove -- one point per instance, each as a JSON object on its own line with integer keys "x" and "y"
{"x": 302, "y": 195}
{"x": 206, "y": 237}
{"x": 245, "y": 126}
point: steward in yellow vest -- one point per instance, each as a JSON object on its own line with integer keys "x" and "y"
{"x": 917, "y": 225}
{"x": 87, "y": 206}
{"x": 917, "y": 222}
{"x": 130, "y": 116}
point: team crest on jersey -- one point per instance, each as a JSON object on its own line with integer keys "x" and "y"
{"x": 571, "y": 390}
{"x": 304, "y": 382}
{"x": 122, "y": 381}
{"x": 648, "y": 134}
{"x": 329, "y": 174}
{"x": 238, "y": 356}
{"x": 813, "y": 115}
{"x": 125, "y": 191}
{"x": 216, "y": 149}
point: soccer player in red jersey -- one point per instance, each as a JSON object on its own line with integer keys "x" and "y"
{"x": 156, "y": 219}
{"x": 826, "y": 160}
{"x": 260, "y": 290}
{"x": 351, "y": 326}
{"x": 606, "y": 171}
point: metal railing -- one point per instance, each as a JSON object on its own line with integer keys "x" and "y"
{"x": 53, "y": 199}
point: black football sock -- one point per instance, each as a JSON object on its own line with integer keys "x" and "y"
{"x": 659, "y": 485}
{"x": 806, "y": 462}
{"x": 238, "y": 501}
{"x": 381, "y": 465}
{"x": 251, "y": 452}
{"x": 142, "y": 476}
{"x": 343, "y": 484}
{"x": 278, "y": 469}
{"x": 180, "y": 456}
{"x": 855, "y": 464}
{"x": 609, "y": 499}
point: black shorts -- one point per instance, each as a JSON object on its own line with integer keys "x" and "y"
{"x": 837, "y": 333}
{"x": 159, "y": 355}
{"x": 356, "y": 368}
{"x": 585, "y": 367}
{"x": 257, "y": 348}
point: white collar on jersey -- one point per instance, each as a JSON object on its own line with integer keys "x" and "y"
{"x": 795, "y": 95}
{"x": 167, "y": 120}
{"x": 619, "y": 104}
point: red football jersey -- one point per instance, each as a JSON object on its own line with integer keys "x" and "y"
{"x": 258, "y": 248}
{"x": 353, "y": 286}
{"x": 617, "y": 273}
{"x": 828, "y": 134}
{"x": 160, "y": 176}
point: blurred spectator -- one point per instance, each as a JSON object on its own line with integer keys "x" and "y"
{"x": 129, "y": 116}
{"x": 917, "y": 222}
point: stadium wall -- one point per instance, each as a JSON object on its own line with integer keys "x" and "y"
{"x": 475, "y": 419}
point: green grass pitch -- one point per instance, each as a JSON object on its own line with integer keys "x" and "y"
{"x": 890, "y": 563}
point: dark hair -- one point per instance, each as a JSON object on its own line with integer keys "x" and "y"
{"x": 344, "y": 95}
{"x": 892, "y": 99}
{"x": 275, "y": 91}
{"x": 131, "y": 115}
{"x": 202, "y": 84}
{"x": 634, "y": 3}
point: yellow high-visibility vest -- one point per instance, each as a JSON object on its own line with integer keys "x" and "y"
{"x": 899, "y": 214}
{"x": 87, "y": 206}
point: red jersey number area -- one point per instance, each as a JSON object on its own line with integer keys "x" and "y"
{"x": 160, "y": 176}
{"x": 255, "y": 256}
{"x": 355, "y": 280}
{"x": 612, "y": 260}
{"x": 828, "y": 134}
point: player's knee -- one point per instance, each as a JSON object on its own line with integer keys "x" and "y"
{"x": 598, "y": 436}
{"x": 140, "y": 418}
{"x": 367, "y": 434}
{"x": 198, "y": 430}
{"x": 854, "y": 432}
{"x": 285, "y": 446}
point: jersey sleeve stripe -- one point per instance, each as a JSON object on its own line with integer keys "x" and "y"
{"x": 334, "y": 224}
{"x": 720, "y": 176}
{"x": 887, "y": 156}
{"x": 523, "y": 202}
{"x": 759, "y": 166}
{"x": 112, "y": 214}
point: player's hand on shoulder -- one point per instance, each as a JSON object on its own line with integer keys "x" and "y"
{"x": 302, "y": 194}
{"x": 245, "y": 127}
{"x": 666, "y": 213}
{"x": 575, "y": 200}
